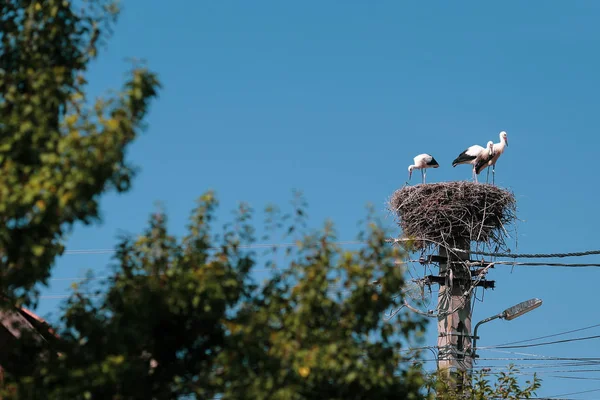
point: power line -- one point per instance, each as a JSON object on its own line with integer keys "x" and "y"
{"x": 245, "y": 246}
{"x": 354, "y": 242}
{"x": 544, "y": 337}
{"x": 332, "y": 286}
{"x": 587, "y": 378}
{"x": 545, "y": 368}
{"x": 518, "y": 353}
{"x": 533, "y": 255}
{"x": 567, "y": 394}
{"x": 528, "y": 264}
{"x": 546, "y": 343}
{"x": 590, "y": 360}
{"x": 545, "y": 264}
{"x": 54, "y": 296}
{"x": 94, "y": 278}
{"x": 78, "y": 278}
{"x": 511, "y": 255}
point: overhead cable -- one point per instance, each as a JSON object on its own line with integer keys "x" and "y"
{"x": 355, "y": 242}
{"x": 533, "y": 255}
{"x": 544, "y": 337}
{"x": 546, "y": 343}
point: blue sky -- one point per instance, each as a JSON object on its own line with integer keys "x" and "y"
{"x": 336, "y": 98}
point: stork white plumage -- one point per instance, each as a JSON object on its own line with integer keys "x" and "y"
{"x": 472, "y": 155}
{"x": 498, "y": 149}
{"x": 422, "y": 162}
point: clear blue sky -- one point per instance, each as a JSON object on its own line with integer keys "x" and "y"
{"x": 335, "y": 98}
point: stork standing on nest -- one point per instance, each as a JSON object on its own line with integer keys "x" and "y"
{"x": 472, "y": 155}
{"x": 490, "y": 161}
{"x": 422, "y": 162}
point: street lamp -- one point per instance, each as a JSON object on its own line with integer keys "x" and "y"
{"x": 508, "y": 314}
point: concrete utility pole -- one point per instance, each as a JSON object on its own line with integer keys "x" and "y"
{"x": 454, "y": 307}
{"x": 455, "y": 346}
{"x": 454, "y": 322}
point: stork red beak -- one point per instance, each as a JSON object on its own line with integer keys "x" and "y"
{"x": 506, "y": 141}
{"x": 409, "y": 175}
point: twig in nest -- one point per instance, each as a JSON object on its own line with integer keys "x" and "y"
{"x": 461, "y": 210}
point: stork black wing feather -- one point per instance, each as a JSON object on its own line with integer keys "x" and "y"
{"x": 433, "y": 163}
{"x": 463, "y": 157}
{"x": 480, "y": 165}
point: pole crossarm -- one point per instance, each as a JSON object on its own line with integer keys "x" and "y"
{"x": 441, "y": 280}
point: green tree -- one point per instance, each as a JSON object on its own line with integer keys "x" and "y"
{"x": 58, "y": 152}
{"x": 183, "y": 317}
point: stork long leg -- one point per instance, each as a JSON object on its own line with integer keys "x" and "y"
{"x": 487, "y": 179}
{"x": 494, "y": 174}
{"x": 475, "y": 176}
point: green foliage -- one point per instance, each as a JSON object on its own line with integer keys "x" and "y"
{"x": 503, "y": 385}
{"x": 316, "y": 329}
{"x": 182, "y": 317}
{"x": 57, "y": 152}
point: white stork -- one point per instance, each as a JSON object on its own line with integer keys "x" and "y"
{"x": 422, "y": 162}
{"x": 472, "y": 155}
{"x": 485, "y": 162}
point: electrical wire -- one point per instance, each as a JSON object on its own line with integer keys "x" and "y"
{"x": 529, "y": 264}
{"x": 546, "y": 343}
{"x": 543, "y": 337}
{"x": 354, "y": 242}
{"x": 94, "y": 278}
{"x": 243, "y": 246}
{"x": 567, "y": 394}
{"x": 593, "y": 360}
{"x": 545, "y": 264}
{"x": 587, "y": 378}
{"x": 513, "y": 255}
{"x": 534, "y": 255}
{"x": 518, "y": 353}
{"x": 546, "y": 368}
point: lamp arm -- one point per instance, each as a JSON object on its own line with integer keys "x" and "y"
{"x": 483, "y": 321}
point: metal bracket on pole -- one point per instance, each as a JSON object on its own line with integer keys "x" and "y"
{"x": 441, "y": 280}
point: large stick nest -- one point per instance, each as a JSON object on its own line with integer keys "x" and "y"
{"x": 448, "y": 212}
